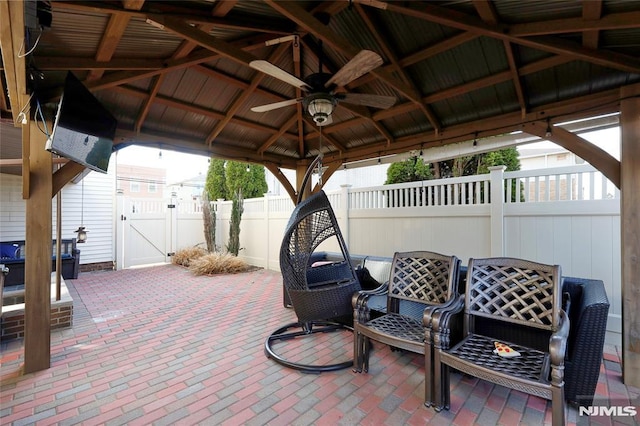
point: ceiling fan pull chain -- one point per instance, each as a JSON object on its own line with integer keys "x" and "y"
{"x": 320, "y": 158}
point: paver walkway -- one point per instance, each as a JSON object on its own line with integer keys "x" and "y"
{"x": 161, "y": 346}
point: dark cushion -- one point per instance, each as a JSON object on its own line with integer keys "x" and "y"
{"x": 9, "y": 251}
{"x": 367, "y": 282}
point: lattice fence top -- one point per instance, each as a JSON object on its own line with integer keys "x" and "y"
{"x": 514, "y": 290}
{"x": 422, "y": 276}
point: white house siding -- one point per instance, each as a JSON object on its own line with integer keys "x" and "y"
{"x": 12, "y": 208}
{"x": 97, "y": 211}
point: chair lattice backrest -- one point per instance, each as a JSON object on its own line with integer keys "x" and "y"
{"x": 514, "y": 290}
{"x": 422, "y": 276}
{"x": 312, "y": 222}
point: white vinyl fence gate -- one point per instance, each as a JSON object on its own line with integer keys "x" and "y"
{"x": 149, "y": 231}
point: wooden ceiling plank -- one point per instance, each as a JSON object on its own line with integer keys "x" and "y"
{"x": 450, "y": 18}
{"x": 244, "y": 95}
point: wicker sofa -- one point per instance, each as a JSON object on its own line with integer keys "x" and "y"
{"x": 588, "y": 311}
{"x": 12, "y": 255}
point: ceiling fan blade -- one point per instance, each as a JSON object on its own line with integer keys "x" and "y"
{"x": 365, "y": 99}
{"x": 275, "y": 105}
{"x": 362, "y": 63}
{"x": 276, "y": 72}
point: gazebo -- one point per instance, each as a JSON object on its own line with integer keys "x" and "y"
{"x": 281, "y": 82}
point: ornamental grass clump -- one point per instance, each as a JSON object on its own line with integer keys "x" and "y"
{"x": 185, "y": 256}
{"x": 217, "y": 263}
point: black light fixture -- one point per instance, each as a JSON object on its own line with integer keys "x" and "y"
{"x": 548, "y": 132}
{"x": 82, "y": 233}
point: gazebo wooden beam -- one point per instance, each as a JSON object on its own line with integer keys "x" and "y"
{"x": 630, "y": 232}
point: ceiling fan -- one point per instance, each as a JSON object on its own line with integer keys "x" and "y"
{"x": 320, "y": 97}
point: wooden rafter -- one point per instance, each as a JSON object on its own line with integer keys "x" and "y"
{"x": 244, "y": 95}
{"x": 283, "y": 129}
{"x": 275, "y": 170}
{"x": 397, "y": 68}
{"x": 297, "y": 14}
{"x": 596, "y": 156}
{"x": 576, "y": 25}
{"x": 599, "y": 103}
{"x": 109, "y": 42}
{"x": 299, "y": 114}
{"x": 173, "y": 103}
{"x": 179, "y": 13}
{"x": 443, "y": 16}
{"x": 488, "y": 13}
{"x": 591, "y": 10}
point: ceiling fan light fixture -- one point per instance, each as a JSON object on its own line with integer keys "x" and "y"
{"x": 320, "y": 109}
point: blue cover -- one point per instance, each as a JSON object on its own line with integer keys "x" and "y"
{"x": 9, "y": 251}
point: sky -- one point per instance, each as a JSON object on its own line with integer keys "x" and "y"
{"x": 179, "y": 166}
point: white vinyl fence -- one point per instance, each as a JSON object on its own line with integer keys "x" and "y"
{"x": 568, "y": 216}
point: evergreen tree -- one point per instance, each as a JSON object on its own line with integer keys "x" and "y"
{"x": 216, "y": 182}
{"x": 250, "y": 178}
{"x": 235, "y": 180}
{"x": 414, "y": 169}
{"x": 409, "y": 170}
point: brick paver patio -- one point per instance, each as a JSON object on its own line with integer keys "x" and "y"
{"x": 161, "y": 346}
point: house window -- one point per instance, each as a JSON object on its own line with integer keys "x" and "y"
{"x": 153, "y": 188}
{"x": 134, "y": 185}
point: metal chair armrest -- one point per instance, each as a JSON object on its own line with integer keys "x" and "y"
{"x": 558, "y": 341}
{"x": 437, "y": 317}
{"x": 360, "y": 298}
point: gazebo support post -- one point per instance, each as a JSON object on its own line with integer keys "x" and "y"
{"x": 37, "y": 337}
{"x": 630, "y": 232}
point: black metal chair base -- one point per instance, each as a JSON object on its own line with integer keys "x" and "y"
{"x": 305, "y": 329}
